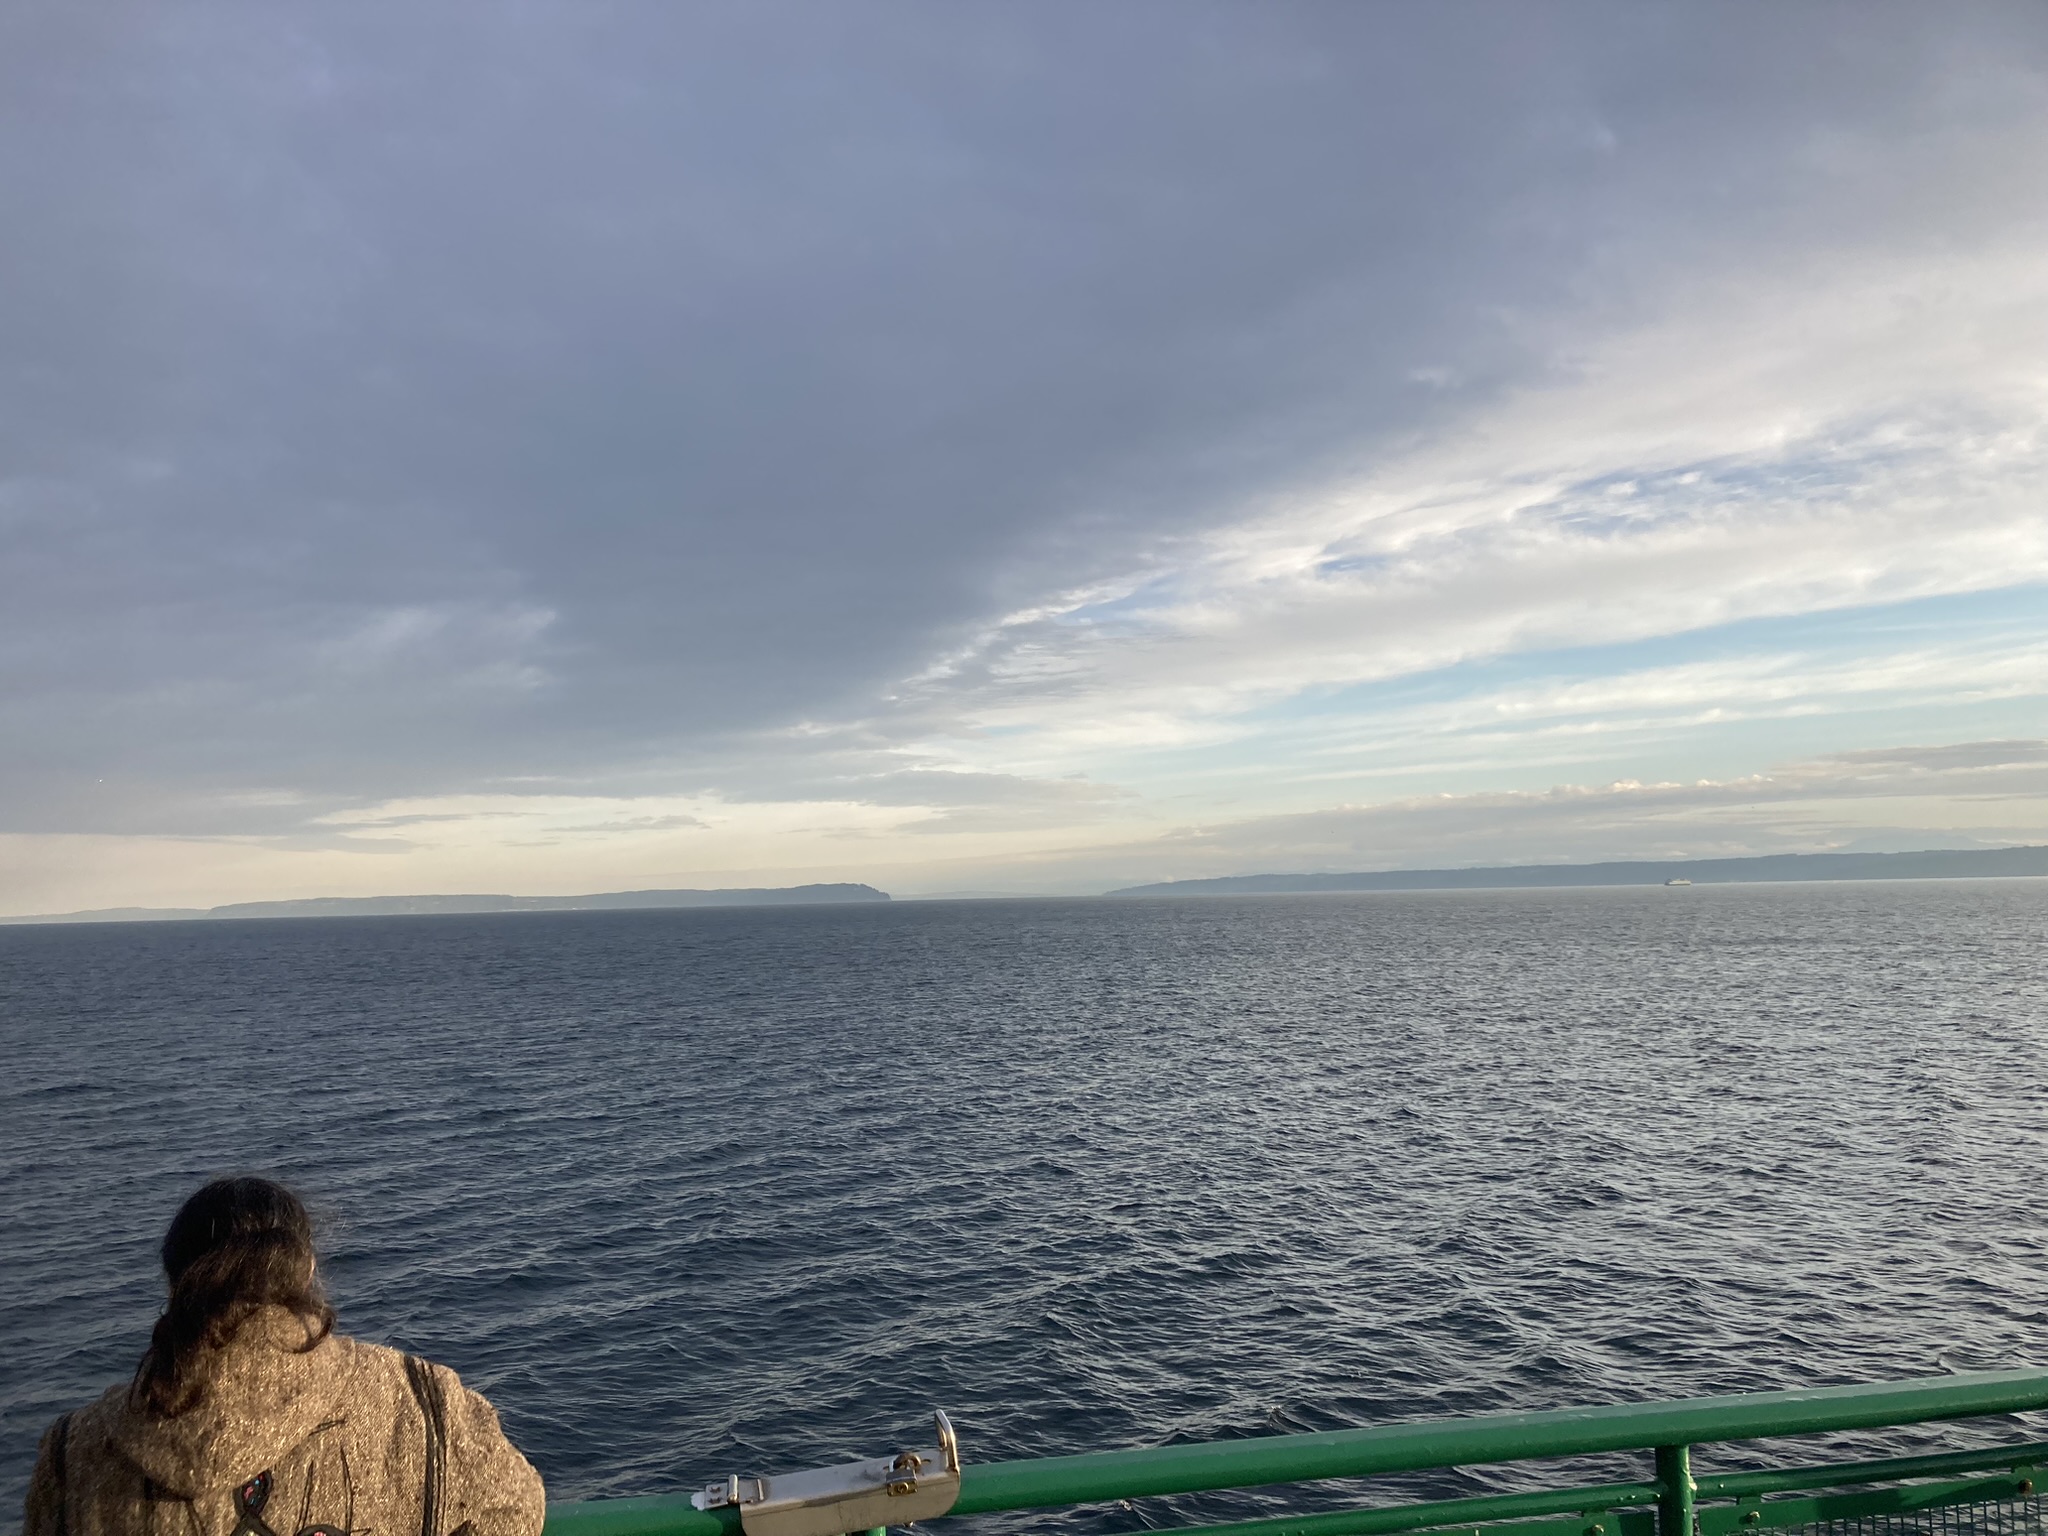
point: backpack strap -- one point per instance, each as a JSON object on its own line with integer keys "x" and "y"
{"x": 60, "y": 1437}
{"x": 426, "y": 1392}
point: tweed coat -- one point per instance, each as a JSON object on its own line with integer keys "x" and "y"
{"x": 344, "y": 1439}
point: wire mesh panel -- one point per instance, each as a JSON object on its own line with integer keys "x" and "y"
{"x": 1983, "y": 1517}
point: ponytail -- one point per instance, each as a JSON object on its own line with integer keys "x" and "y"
{"x": 236, "y": 1246}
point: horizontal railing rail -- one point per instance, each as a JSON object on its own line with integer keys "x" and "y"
{"x": 1664, "y": 1504}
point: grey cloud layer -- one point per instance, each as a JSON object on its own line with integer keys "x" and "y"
{"x": 397, "y": 400}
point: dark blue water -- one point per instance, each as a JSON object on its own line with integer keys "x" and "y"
{"x": 691, "y": 1192}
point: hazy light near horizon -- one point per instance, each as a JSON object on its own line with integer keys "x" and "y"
{"x": 1032, "y": 447}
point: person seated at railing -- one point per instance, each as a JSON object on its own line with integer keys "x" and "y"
{"x": 250, "y": 1416}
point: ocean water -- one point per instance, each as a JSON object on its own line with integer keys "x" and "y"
{"x": 707, "y": 1191}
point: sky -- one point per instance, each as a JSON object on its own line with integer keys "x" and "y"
{"x": 1011, "y": 447}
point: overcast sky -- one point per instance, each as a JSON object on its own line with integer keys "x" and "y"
{"x": 980, "y": 446}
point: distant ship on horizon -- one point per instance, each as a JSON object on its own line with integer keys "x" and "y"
{"x": 1678, "y": 880}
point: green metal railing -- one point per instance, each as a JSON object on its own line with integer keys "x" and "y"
{"x": 1895, "y": 1497}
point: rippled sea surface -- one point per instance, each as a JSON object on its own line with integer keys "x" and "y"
{"x": 704, "y": 1191}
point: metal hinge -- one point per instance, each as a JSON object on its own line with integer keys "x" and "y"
{"x": 858, "y": 1496}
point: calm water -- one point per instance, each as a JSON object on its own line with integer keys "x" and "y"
{"x": 690, "y": 1192}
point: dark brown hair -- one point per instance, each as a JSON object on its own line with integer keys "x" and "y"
{"x": 235, "y": 1246}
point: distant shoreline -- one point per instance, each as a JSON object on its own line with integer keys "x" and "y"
{"x": 1932, "y": 864}
{"x": 428, "y": 906}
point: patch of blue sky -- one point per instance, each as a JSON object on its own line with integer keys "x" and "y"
{"x": 1353, "y": 565}
{"x": 1127, "y": 610}
{"x": 1434, "y": 733}
{"x": 1966, "y": 620}
{"x": 1297, "y": 769}
{"x": 1629, "y": 500}
{"x": 1409, "y": 736}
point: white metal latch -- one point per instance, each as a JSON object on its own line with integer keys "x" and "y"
{"x": 831, "y": 1501}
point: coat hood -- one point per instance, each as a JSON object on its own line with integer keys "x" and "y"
{"x": 265, "y": 1393}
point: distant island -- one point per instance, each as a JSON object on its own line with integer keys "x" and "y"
{"x": 1934, "y": 864}
{"x": 417, "y": 906}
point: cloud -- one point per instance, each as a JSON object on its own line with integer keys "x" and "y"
{"x": 1970, "y": 794}
{"x": 1033, "y": 425}
{"x": 1696, "y": 477}
{"x": 1746, "y": 813}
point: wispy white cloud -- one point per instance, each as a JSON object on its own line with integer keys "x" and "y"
{"x": 1767, "y": 454}
{"x": 1579, "y": 719}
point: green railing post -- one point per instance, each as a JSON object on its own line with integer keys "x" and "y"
{"x": 1676, "y": 1490}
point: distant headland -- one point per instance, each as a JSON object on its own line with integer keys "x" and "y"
{"x": 419, "y": 906}
{"x": 1934, "y": 864}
